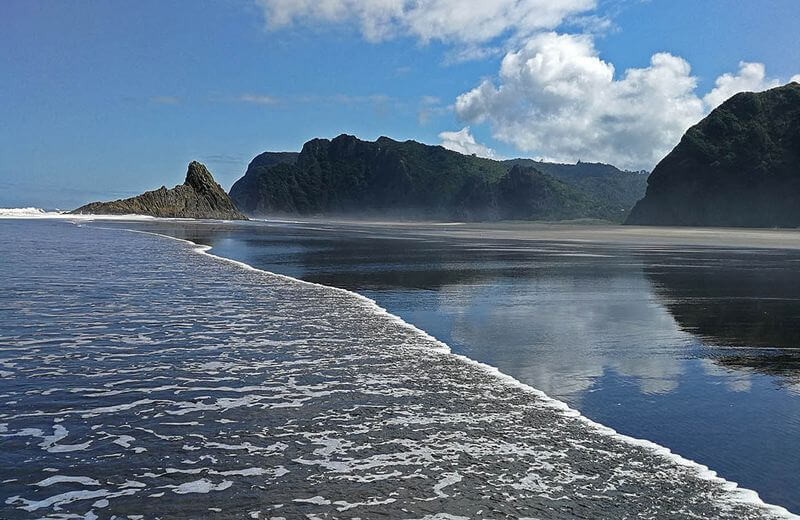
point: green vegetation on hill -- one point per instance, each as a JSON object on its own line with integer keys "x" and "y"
{"x": 603, "y": 182}
{"x": 740, "y": 166}
{"x": 268, "y": 159}
{"x": 348, "y": 176}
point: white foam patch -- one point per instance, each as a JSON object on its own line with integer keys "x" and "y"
{"x": 124, "y": 441}
{"x": 39, "y": 213}
{"x": 57, "y": 500}
{"x": 201, "y": 486}
{"x": 342, "y": 505}
{"x": 66, "y": 448}
{"x": 448, "y": 480}
{"x": 317, "y": 500}
{"x": 58, "y": 479}
{"x": 444, "y": 516}
{"x": 247, "y": 472}
{"x": 59, "y": 432}
{"x": 133, "y": 484}
{"x": 26, "y": 213}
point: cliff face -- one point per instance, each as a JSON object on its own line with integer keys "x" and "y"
{"x": 387, "y": 178}
{"x": 198, "y": 197}
{"x": 740, "y": 166}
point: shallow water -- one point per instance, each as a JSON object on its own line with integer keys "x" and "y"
{"x": 140, "y": 377}
{"x": 692, "y": 346}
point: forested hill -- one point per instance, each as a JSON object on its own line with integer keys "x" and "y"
{"x": 740, "y": 166}
{"x": 388, "y": 178}
{"x": 621, "y": 188}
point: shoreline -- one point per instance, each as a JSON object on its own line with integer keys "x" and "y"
{"x": 577, "y": 231}
{"x": 734, "y": 492}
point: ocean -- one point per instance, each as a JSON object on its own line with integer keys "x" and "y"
{"x": 285, "y": 370}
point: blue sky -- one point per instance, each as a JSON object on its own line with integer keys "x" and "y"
{"x": 106, "y": 99}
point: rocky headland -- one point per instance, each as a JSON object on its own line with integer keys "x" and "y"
{"x": 198, "y": 197}
{"x": 738, "y": 167}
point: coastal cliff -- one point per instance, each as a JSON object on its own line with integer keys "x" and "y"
{"x": 738, "y": 167}
{"x": 198, "y": 197}
{"x": 388, "y": 178}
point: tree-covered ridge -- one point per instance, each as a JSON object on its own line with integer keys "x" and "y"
{"x": 740, "y": 166}
{"x": 604, "y": 182}
{"x": 348, "y": 176}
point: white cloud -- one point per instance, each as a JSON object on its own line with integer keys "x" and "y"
{"x": 795, "y": 78}
{"x": 463, "y": 142}
{"x": 444, "y": 20}
{"x": 555, "y": 98}
{"x": 258, "y": 99}
{"x": 430, "y": 107}
{"x": 558, "y": 99}
{"x": 751, "y": 78}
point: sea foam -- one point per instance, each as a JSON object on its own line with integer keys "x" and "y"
{"x": 735, "y": 493}
{"x": 371, "y": 399}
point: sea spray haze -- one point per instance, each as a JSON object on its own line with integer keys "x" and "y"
{"x": 347, "y": 176}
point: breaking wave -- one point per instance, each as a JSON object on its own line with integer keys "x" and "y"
{"x": 27, "y": 212}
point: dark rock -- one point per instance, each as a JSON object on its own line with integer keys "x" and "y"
{"x": 198, "y": 197}
{"x": 740, "y": 166}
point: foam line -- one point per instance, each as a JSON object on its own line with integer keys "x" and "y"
{"x": 27, "y": 213}
{"x": 735, "y": 492}
{"x": 38, "y": 213}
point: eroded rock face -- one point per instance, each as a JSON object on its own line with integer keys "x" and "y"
{"x": 198, "y": 197}
{"x": 740, "y": 166}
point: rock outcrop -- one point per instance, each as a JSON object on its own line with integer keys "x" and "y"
{"x": 198, "y": 197}
{"x": 738, "y": 167}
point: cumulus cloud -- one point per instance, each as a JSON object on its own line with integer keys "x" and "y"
{"x": 464, "y": 142}
{"x": 443, "y": 20}
{"x": 750, "y": 78}
{"x": 557, "y": 99}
